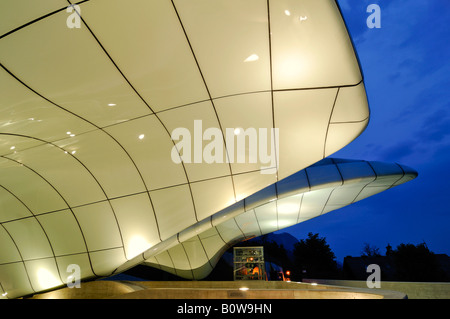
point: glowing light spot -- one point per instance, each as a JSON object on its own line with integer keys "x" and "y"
{"x": 46, "y": 279}
{"x": 251, "y": 58}
{"x": 137, "y": 245}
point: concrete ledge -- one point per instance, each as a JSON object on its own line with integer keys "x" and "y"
{"x": 214, "y": 290}
{"x": 414, "y": 290}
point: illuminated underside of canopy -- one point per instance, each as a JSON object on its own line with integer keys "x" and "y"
{"x": 321, "y": 188}
{"x": 86, "y": 116}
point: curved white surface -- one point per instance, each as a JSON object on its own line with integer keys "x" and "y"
{"x": 321, "y": 188}
{"x": 86, "y": 115}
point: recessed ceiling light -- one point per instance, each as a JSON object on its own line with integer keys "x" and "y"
{"x": 12, "y": 147}
{"x": 72, "y": 135}
{"x": 111, "y": 104}
{"x": 73, "y": 152}
{"x": 141, "y": 136}
{"x": 237, "y": 131}
{"x": 287, "y": 12}
{"x": 68, "y": 133}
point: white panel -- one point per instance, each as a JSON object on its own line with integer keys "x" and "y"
{"x": 43, "y": 274}
{"x": 229, "y": 231}
{"x": 345, "y": 195}
{"x": 105, "y": 261}
{"x": 288, "y": 209}
{"x": 8, "y": 253}
{"x": 164, "y": 259}
{"x": 150, "y": 147}
{"x": 195, "y": 229}
{"x": 227, "y": 213}
{"x": 12, "y": 144}
{"x": 14, "y": 280}
{"x": 16, "y": 13}
{"x": 382, "y": 168}
{"x": 230, "y": 39}
{"x": 26, "y": 231}
{"x": 151, "y": 260}
{"x": 195, "y": 252}
{"x": 193, "y": 121}
{"x": 356, "y": 171}
{"x": 339, "y": 135}
{"x": 302, "y": 117}
{"x": 73, "y": 70}
{"x": 107, "y": 161}
{"x": 174, "y": 209}
{"x": 137, "y": 223}
{"x": 161, "y": 246}
{"x": 64, "y": 172}
{"x": 330, "y": 208}
{"x": 313, "y": 203}
{"x": 211, "y": 196}
{"x": 248, "y": 224}
{"x": 163, "y": 72}
{"x": 81, "y": 260}
{"x": 387, "y": 180}
{"x": 248, "y": 183}
{"x": 211, "y": 241}
{"x": 262, "y": 197}
{"x": 267, "y": 217}
{"x": 31, "y": 189}
{"x": 408, "y": 170}
{"x": 63, "y": 232}
{"x": 323, "y": 176}
{"x": 406, "y": 178}
{"x": 99, "y": 226}
{"x": 351, "y": 104}
{"x": 370, "y": 191}
{"x": 24, "y": 112}
{"x": 293, "y": 184}
{"x": 310, "y": 45}
{"x": 179, "y": 258}
{"x": 10, "y": 207}
{"x": 239, "y": 112}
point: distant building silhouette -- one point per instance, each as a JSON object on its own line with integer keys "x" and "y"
{"x": 355, "y": 268}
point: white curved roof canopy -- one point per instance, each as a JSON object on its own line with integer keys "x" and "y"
{"x": 86, "y": 116}
{"x": 321, "y": 188}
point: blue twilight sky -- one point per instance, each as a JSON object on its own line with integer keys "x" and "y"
{"x": 406, "y": 66}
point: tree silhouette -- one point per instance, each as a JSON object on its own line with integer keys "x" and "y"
{"x": 313, "y": 258}
{"x": 416, "y": 263}
{"x": 370, "y": 251}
